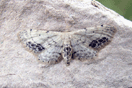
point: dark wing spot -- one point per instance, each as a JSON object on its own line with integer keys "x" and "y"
{"x": 77, "y": 54}
{"x": 107, "y": 29}
{"x": 104, "y": 39}
{"x": 40, "y": 47}
{"x": 73, "y": 54}
{"x": 93, "y": 43}
{"x": 30, "y": 29}
{"x": 47, "y": 31}
{"x": 100, "y": 40}
{"x": 33, "y": 45}
{"x": 59, "y": 53}
{"x": 99, "y": 43}
{"x": 29, "y": 42}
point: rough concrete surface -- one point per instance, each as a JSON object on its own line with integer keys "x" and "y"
{"x": 20, "y": 69}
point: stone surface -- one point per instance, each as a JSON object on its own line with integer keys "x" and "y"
{"x": 20, "y": 69}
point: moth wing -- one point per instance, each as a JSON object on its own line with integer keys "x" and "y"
{"x": 46, "y": 45}
{"x": 87, "y": 42}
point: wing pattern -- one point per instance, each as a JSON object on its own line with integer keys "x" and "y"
{"x": 51, "y": 46}
{"x": 46, "y": 45}
{"x": 87, "y": 42}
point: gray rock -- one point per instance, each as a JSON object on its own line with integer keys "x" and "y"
{"x": 20, "y": 69}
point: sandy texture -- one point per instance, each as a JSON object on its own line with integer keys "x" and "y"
{"x": 20, "y": 69}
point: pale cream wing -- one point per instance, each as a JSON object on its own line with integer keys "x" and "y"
{"x": 46, "y": 45}
{"x": 87, "y": 42}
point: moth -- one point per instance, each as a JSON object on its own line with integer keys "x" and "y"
{"x": 51, "y": 46}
